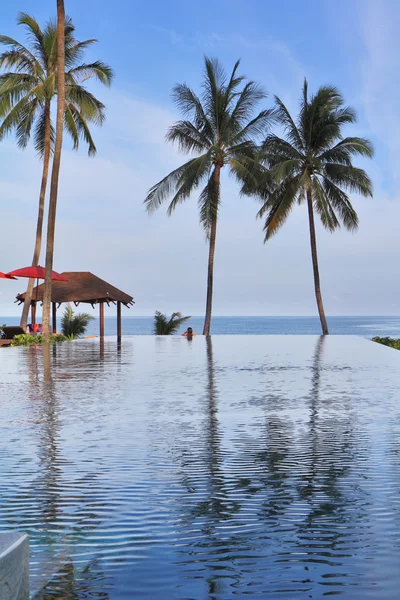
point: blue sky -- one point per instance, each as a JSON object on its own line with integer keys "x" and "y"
{"x": 161, "y": 261}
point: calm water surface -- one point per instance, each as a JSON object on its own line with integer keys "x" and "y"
{"x": 262, "y": 467}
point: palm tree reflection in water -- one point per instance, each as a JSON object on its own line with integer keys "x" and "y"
{"x": 280, "y": 497}
{"x": 57, "y": 536}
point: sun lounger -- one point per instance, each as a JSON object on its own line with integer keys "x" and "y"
{"x": 10, "y": 331}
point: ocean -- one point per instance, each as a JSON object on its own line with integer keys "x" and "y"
{"x": 362, "y": 326}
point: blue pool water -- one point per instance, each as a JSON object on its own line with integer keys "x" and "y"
{"x": 363, "y": 326}
{"x": 251, "y": 466}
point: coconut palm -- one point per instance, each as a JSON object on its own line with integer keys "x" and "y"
{"x": 220, "y": 129}
{"x": 312, "y": 163}
{"x": 74, "y": 325}
{"x": 51, "y": 222}
{"x": 165, "y": 326}
{"x": 27, "y": 90}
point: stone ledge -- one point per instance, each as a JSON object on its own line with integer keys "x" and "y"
{"x": 14, "y": 566}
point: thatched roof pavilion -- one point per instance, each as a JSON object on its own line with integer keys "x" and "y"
{"x": 85, "y": 287}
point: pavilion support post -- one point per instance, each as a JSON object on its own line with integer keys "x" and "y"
{"x": 119, "y": 324}
{"x": 54, "y": 313}
{"x": 101, "y": 320}
{"x": 33, "y": 313}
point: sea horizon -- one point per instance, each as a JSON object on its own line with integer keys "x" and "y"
{"x": 362, "y": 325}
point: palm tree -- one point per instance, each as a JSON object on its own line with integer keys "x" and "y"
{"x": 165, "y": 326}
{"x": 51, "y": 223}
{"x": 74, "y": 325}
{"x": 220, "y": 128}
{"x": 312, "y": 163}
{"x": 27, "y": 90}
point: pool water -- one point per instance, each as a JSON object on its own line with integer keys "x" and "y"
{"x": 228, "y": 467}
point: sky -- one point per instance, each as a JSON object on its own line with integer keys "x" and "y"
{"x": 161, "y": 261}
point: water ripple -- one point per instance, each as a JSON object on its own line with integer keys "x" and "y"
{"x": 223, "y": 468}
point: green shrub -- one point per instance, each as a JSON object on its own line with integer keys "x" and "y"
{"x": 32, "y": 340}
{"x": 387, "y": 341}
{"x": 73, "y": 325}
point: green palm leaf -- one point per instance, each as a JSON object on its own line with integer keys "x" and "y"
{"x": 312, "y": 162}
{"x": 165, "y": 326}
{"x": 74, "y": 325}
{"x": 221, "y": 127}
{"x": 32, "y": 72}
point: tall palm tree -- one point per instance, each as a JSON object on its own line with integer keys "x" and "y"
{"x": 27, "y": 90}
{"x": 165, "y": 326}
{"x": 220, "y": 129}
{"x": 51, "y": 223}
{"x": 312, "y": 163}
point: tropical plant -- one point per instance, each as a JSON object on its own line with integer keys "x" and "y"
{"x": 387, "y": 341}
{"x": 25, "y": 339}
{"x": 221, "y": 129}
{"x": 74, "y": 325}
{"x": 27, "y": 90}
{"x": 165, "y": 326}
{"x": 312, "y": 163}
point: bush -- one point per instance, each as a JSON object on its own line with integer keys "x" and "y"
{"x": 387, "y": 341}
{"x": 32, "y": 340}
{"x": 73, "y": 325}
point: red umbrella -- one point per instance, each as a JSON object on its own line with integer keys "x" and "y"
{"x": 4, "y": 276}
{"x": 35, "y": 273}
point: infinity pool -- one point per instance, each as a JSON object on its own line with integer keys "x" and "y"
{"x": 233, "y": 467}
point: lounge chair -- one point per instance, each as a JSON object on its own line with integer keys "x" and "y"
{"x": 11, "y": 330}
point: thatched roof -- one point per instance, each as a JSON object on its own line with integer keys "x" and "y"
{"x": 81, "y": 287}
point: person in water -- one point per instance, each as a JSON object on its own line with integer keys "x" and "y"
{"x": 189, "y": 333}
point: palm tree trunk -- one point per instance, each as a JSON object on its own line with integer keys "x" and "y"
{"x": 39, "y": 226}
{"x": 51, "y": 225}
{"x": 211, "y": 252}
{"x": 314, "y": 255}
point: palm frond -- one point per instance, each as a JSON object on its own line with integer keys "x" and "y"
{"x": 209, "y": 203}
{"x": 214, "y": 99}
{"x": 254, "y": 129}
{"x": 40, "y": 133}
{"x": 96, "y": 70}
{"x": 279, "y": 204}
{"x": 284, "y": 117}
{"x": 165, "y": 326}
{"x": 246, "y": 166}
{"x": 26, "y": 119}
{"x": 16, "y": 114}
{"x": 341, "y": 204}
{"x": 248, "y": 99}
{"x": 89, "y": 106}
{"x": 174, "y": 181}
{"x": 188, "y": 137}
{"x": 31, "y": 82}
{"x": 74, "y": 52}
{"x": 74, "y": 325}
{"x": 349, "y": 177}
{"x": 191, "y": 178}
{"x": 276, "y": 149}
{"x": 286, "y": 169}
{"x": 341, "y": 153}
{"x": 323, "y": 206}
{"x": 190, "y": 106}
{"x": 77, "y": 125}
{"x": 18, "y": 55}
{"x": 35, "y": 34}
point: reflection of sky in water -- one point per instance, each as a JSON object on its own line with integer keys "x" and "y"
{"x": 260, "y": 466}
